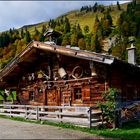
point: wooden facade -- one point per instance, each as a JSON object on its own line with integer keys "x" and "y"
{"x": 58, "y": 91}
{"x": 56, "y": 76}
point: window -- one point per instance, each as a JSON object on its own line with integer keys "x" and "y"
{"x": 77, "y": 93}
{"x": 31, "y": 95}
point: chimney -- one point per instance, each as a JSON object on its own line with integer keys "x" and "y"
{"x": 132, "y": 54}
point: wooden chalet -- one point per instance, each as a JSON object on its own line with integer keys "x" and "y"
{"x": 52, "y": 75}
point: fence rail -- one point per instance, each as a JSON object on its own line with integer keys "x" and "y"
{"x": 83, "y": 116}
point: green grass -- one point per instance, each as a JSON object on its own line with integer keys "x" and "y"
{"x": 9, "y": 98}
{"x": 128, "y": 131}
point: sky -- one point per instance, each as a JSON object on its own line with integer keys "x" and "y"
{"x": 15, "y": 14}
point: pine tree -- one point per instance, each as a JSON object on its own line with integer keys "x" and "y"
{"x": 36, "y": 32}
{"x": 41, "y": 38}
{"x": 20, "y": 46}
{"x": 22, "y": 33}
{"x": 82, "y": 9}
{"x": 36, "y": 35}
{"x": 27, "y": 36}
{"x": 58, "y": 23}
{"x": 120, "y": 19}
{"x": 62, "y": 20}
{"x": 74, "y": 39}
{"x": 87, "y": 39}
{"x": 79, "y": 32}
{"x": 11, "y": 31}
{"x": 52, "y": 24}
{"x": 92, "y": 47}
{"x": 7, "y": 39}
{"x": 73, "y": 29}
{"x": 96, "y": 24}
{"x": 100, "y": 29}
{"x": 118, "y": 6}
{"x": 67, "y": 25}
{"x": 108, "y": 17}
{"x": 105, "y": 25}
{"x": 95, "y": 44}
{"x": 95, "y": 7}
{"x": 101, "y": 8}
{"x": 1, "y": 42}
{"x": 43, "y": 30}
{"x": 49, "y": 23}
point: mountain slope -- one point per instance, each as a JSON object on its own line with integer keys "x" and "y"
{"x": 86, "y": 28}
{"x": 76, "y": 17}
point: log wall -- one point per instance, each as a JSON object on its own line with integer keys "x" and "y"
{"x": 86, "y": 90}
{"x": 90, "y": 89}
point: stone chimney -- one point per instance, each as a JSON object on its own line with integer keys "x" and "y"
{"x": 132, "y": 54}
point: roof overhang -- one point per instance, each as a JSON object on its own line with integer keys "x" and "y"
{"x": 75, "y": 53}
{"x": 29, "y": 55}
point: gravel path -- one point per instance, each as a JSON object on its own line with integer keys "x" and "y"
{"x": 10, "y": 129}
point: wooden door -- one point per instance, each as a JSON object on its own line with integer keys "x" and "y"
{"x": 66, "y": 97}
{"x": 52, "y": 98}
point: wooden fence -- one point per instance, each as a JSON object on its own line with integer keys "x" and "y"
{"x": 83, "y": 116}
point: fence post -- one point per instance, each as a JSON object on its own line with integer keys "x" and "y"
{"x": 10, "y": 111}
{"x": 102, "y": 116}
{"x": 90, "y": 121}
{"x": 60, "y": 111}
{"x": 25, "y": 111}
{"x": 37, "y": 113}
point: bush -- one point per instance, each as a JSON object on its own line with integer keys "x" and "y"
{"x": 108, "y": 106}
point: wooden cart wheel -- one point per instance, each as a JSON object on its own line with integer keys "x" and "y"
{"x": 77, "y": 72}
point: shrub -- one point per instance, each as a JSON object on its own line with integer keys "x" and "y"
{"x": 108, "y": 106}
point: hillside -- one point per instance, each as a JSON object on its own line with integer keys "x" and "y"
{"x": 103, "y": 29}
{"x": 83, "y": 19}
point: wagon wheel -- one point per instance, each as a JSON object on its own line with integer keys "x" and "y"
{"x": 77, "y": 72}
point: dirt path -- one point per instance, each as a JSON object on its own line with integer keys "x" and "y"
{"x": 10, "y": 129}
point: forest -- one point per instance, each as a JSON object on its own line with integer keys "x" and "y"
{"x": 118, "y": 32}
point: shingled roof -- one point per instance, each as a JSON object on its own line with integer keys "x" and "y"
{"x": 29, "y": 55}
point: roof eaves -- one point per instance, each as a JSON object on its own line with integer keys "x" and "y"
{"x": 75, "y": 53}
{"x": 56, "y": 49}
